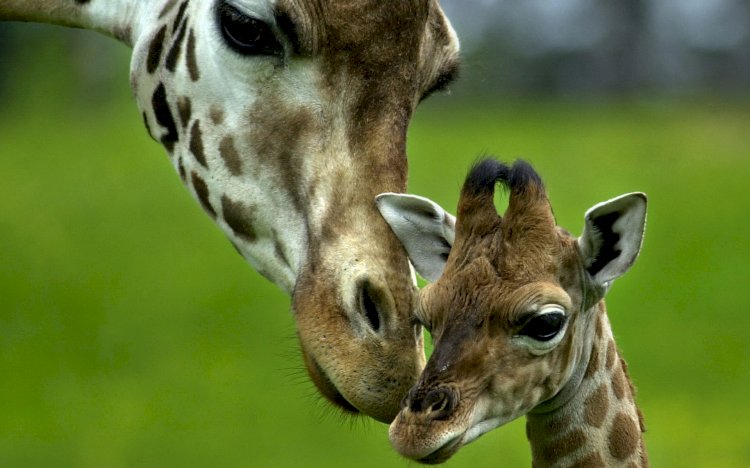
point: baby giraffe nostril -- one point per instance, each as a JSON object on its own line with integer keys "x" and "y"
{"x": 438, "y": 403}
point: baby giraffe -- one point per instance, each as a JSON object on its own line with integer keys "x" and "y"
{"x": 517, "y": 315}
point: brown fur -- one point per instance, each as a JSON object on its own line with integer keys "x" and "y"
{"x": 611, "y": 354}
{"x": 155, "y": 50}
{"x": 229, "y": 154}
{"x": 618, "y": 384}
{"x": 201, "y": 191}
{"x": 592, "y": 460}
{"x": 196, "y": 144}
{"x": 597, "y": 406}
{"x": 190, "y": 58}
{"x": 500, "y": 268}
{"x": 185, "y": 110}
{"x": 239, "y": 218}
{"x": 624, "y": 437}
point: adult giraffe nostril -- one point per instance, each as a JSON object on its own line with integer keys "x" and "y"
{"x": 369, "y": 300}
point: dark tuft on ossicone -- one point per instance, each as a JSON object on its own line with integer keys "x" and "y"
{"x": 487, "y": 172}
{"x": 484, "y": 175}
{"x": 523, "y": 178}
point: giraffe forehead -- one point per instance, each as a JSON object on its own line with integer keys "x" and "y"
{"x": 352, "y": 22}
{"x": 527, "y": 255}
{"x": 491, "y": 307}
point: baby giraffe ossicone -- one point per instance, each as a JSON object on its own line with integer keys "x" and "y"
{"x": 518, "y": 320}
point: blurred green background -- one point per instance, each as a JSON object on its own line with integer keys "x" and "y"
{"x": 132, "y": 334}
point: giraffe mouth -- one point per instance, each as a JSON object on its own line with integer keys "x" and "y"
{"x": 443, "y": 453}
{"x": 435, "y": 440}
{"x": 327, "y": 388}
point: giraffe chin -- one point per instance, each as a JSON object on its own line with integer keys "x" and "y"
{"x": 374, "y": 395}
{"x": 326, "y": 387}
{"x": 442, "y": 454}
{"x": 430, "y": 442}
{"x": 449, "y": 448}
{"x": 433, "y": 439}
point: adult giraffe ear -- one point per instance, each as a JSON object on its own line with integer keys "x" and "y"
{"x": 426, "y": 230}
{"x": 612, "y": 236}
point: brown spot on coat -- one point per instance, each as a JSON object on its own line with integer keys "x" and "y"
{"x": 167, "y": 8}
{"x": 185, "y": 110}
{"x": 154, "y": 50}
{"x": 181, "y": 170}
{"x": 611, "y": 354}
{"x": 618, "y": 384}
{"x": 592, "y": 460}
{"x": 623, "y": 437}
{"x": 216, "y": 115}
{"x": 176, "y": 49}
{"x": 564, "y": 445}
{"x": 553, "y": 425}
{"x": 593, "y": 362}
{"x": 201, "y": 191}
{"x": 230, "y": 155}
{"x": 239, "y": 218}
{"x": 196, "y": 144}
{"x": 631, "y": 387}
{"x": 164, "y": 117}
{"x": 180, "y": 14}
{"x": 596, "y": 406}
{"x": 191, "y": 61}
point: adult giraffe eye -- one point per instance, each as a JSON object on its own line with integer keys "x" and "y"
{"x": 545, "y": 326}
{"x": 247, "y": 35}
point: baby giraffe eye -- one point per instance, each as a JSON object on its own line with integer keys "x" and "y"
{"x": 245, "y": 34}
{"x": 544, "y": 326}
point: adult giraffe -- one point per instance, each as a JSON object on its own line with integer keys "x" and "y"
{"x": 284, "y": 119}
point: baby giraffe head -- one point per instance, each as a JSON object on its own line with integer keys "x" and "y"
{"x": 512, "y": 305}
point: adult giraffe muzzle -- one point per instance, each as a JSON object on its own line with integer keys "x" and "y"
{"x": 285, "y": 119}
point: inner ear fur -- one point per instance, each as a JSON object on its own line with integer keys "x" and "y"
{"x": 612, "y": 236}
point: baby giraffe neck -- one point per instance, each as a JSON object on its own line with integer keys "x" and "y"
{"x": 600, "y": 426}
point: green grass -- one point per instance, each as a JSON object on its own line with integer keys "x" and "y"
{"x": 132, "y": 334}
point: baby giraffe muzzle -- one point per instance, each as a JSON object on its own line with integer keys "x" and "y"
{"x": 517, "y": 316}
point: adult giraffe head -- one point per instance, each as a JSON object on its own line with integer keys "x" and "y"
{"x": 285, "y": 118}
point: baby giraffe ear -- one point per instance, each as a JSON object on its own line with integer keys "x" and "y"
{"x": 612, "y": 236}
{"x": 425, "y": 229}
